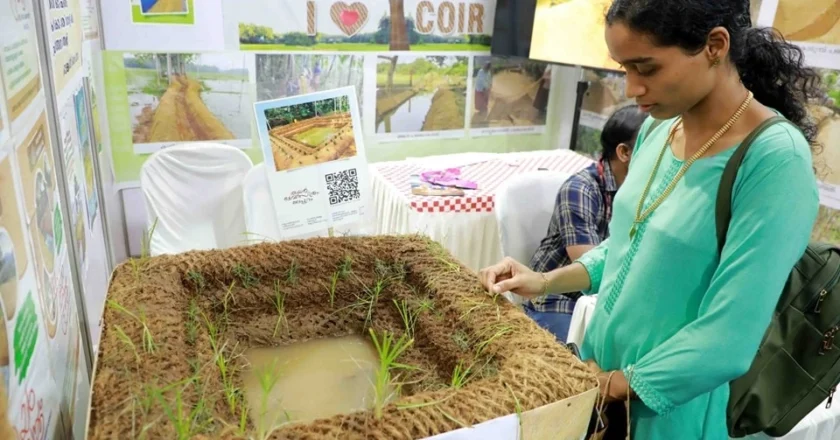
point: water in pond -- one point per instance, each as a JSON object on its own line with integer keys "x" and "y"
{"x": 315, "y": 379}
{"x": 232, "y": 104}
{"x": 408, "y": 117}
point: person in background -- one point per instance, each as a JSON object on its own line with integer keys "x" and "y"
{"x": 677, "y": 319}
{"x": 483, "y": 83}
{"x": 581, "y": 214}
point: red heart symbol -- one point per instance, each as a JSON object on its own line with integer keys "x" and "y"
{"x": 349, "y": 18}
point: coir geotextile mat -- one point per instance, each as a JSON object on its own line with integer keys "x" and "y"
{"x": 158, "y": 375}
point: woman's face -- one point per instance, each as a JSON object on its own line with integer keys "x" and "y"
{"x": 664, "y": 81}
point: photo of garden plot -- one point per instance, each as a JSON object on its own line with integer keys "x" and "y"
{"x": 283, "y": 75}
{"x": 153, "y": 7}
{"x": 347, "y": 338}
{"x": 509, "y": 92}
{"x": 188, "y": 97}
{"x": 415, "y": 94}
{"x": 311, "y": 133}
{"x": 817, "y": 23}
{"x": 571, "y": 32}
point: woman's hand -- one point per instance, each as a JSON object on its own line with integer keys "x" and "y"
{"x": 617, "y": 388}
{"x": 510, "y": 275}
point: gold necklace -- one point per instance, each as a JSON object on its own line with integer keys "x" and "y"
{"x": 641, "y": 216}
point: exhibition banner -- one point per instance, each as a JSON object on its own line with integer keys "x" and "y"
{"x": 19, "y": 63}
{"x": 362, "y": 25}
{"x": 64, "y": 27}
{"x": 163, "y": 25}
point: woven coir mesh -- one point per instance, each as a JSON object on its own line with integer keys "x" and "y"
{"x": 517, "y": 365}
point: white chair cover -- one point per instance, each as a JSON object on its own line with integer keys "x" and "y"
{"x": 524, "y": 205}
{"x": 194, "y": 191}
{"x": 260, "y": 218}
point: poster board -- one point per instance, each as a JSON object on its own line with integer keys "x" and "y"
{"x": 185, "y": 25}
{"x": 315, "y": 160}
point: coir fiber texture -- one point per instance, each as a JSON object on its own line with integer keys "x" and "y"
{"x": 194, "y": 305}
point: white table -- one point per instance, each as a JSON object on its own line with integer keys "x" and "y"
{"x": 821, "y": 424}
{"x": 465, "y": 225}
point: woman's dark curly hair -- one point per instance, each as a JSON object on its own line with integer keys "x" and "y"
{"x": 769, "y": 66}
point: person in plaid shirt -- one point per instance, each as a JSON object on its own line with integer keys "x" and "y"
{"x": 582, "y": 213}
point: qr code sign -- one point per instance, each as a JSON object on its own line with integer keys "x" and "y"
{"x": 343, "y": 186}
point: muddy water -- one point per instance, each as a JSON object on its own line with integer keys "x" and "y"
{"x": 408, "y": 117}
{"x": 315, "y": 379}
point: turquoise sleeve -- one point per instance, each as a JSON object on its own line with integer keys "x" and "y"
{"x": 593, "y": 261}
{"x": 773, "y": 213}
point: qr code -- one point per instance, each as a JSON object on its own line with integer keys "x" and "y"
{"x": 343, "y": 186}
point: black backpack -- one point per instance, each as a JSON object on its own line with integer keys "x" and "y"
{"x": 798, "y": 362}
{"x": 797, "y": 366}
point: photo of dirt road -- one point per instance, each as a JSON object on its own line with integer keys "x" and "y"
{"x": 188, "y": 97}
{"x": 819, "y": 22}
{"x": 826, "y": 111}
{"x": 164, "y": 6}
{"x": 571, "y": 32}
{"x": 509, "y": 92}
{"x": 420, "y": 93}
{"x": 311, "y": 133}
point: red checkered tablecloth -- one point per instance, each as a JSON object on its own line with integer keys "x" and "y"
{"x": 489, "y": 175}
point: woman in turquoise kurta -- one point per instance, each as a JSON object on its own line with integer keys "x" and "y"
{"x": 674, "y": 320}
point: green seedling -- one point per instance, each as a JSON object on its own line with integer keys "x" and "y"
{"x": 498, "y": 332}
{"x": 331, "y": 288}
{"x": 475, "y": 306}
{"x": 442, "y": 255}
{"x": 186, "y": 421}
{"x": 148, "y": 341}
{"x": 346, "y": 267}
{"x": 145, "y": 251}
{"x": 267, "y": 378}
{"x": 409, "y": 314}
{"x": 292, "y": 273}
{"x": 243, "y": 420}
{"x": 280, "y": 305}
{"x": 245, "y": 276}
{"x": 192, "y": 322}
{"x": 226, "y": 370}
{"x": 197, "y": 280}
{"x": 127, "y": 341}
{"x": 389, "y": 351}
{"x": 226, "y": 301}
{"x": 461, "y": 375}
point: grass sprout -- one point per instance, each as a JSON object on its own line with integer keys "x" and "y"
{"x": 292, "y": 273}
{"x": 389, "y": 350}
{"x": 245, "y": 275}
{"x": 148, "y": 341}
{"x": 197, "y": 280}
{"x": 267, "y": 376}
{"x": 346, "y": 267}
{"x": 331, "y": 288}
{"x": 461, "y": 375}
{"x": 410, "y": 313}
{"x": 280, "y": 305}
{"x": 498, "y": 331}
{"x": 127, "y": 341}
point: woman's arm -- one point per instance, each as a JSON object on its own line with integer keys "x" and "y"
{"x": 772, "y": 217}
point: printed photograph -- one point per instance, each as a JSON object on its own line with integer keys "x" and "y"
{"x": 13, "y": 261}
{"x": 158, "y": 7}
{"x": 606, "y": 93}
{"x": 604, "y": 96}
{"x": 826, "y": 111}
{"x": 755, "y": 8}
{"x": 509, "y": 92}
{"x": 819, "y": 22}
{"x": 311, "y": 132}
{"x": 188, "y": 97}
{"x": 83, "y": 128}
{"x": 556, "y": 20}
{"x": 280, "y": 76}
{"x": 420, "y": 93}
{"x": 395, "y": 25}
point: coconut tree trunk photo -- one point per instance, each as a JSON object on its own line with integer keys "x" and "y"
{"x": 399, "y": 31}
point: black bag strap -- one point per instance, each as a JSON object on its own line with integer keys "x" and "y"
{"x": 653, "y": 125}
{"x": 723, "y": 205}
